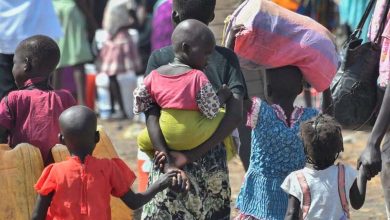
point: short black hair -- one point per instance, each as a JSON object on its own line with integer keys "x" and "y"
{"x": 201, "y": 10}
{"x": 42, "y": 52}
{"x": 285, "y": 80}
{"x": 322, "y": 140}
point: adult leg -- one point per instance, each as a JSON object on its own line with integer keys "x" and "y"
{"x": 56, "y": 78}
{"x": 385, "y": 173}
{"x": 116, "y": 95}
{"x": 7, "y": 82}
{"x": 79, "y": 77}
{"x": 255, "y": 84}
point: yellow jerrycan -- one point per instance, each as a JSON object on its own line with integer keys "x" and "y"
{"x": 20, "y": 169}
{"x": 103, "y": 149}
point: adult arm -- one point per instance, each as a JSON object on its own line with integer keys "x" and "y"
{"x": 357, "y": 193}
{"x": 371, "y": 155}
{"x": 41, "y": 207}
{"x": 233, "y": 116}
{"x": 327, "y": 102}
{"x": 3, "y": 135}
{"x": 293, "y": 208}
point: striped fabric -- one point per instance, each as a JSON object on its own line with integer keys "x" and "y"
{"x": 274, "y": 37}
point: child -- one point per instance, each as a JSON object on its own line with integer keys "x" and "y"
{"x": 183, "y": 91}
{"x": 323, "y": 190}
{"x": 277, "y": 149}
{"x": 80, "y": 187}
{"x": 29, "y": 114}
{"x": 119, "y": 54}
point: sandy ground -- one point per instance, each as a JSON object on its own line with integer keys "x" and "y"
{"x": 123, "y": 134}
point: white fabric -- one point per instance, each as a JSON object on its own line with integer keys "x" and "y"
{"x": 20, "y": 19}
{"x": 323, "y": 184}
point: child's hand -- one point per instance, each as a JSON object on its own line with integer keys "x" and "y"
{"x": 180, "y": 182}
{"x": 167, "y": 179}
{"x": 224, "y": 94}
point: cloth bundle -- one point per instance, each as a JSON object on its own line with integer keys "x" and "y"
{"x": 274, "y": 37}
{"x": 185, "y": 130}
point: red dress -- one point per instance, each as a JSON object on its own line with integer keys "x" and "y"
{"x": 82, "y": 191}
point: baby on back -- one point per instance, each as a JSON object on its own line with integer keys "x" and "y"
{"x": 29, "y": 115}
{"x": 190, "y": 108}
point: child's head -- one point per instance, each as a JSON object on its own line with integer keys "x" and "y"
{"x": 78, "y": 130}
{"x": 36, "y": 56}
{"x": 322, "y": 140}
{"x": 283, "y": 83}
{"x": 193, "y": 42}
{"x": 201, "y": 10}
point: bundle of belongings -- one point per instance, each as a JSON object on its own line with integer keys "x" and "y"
{"x": 273, "y": 36}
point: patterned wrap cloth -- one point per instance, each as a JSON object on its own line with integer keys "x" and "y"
{"x": 274, "y": 37}
{"x": 162, "y": 26}
{"x": 384, "y": 62}
{"x": 209, "y": 195}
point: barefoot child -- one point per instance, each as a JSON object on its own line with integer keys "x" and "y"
{"x": 323, "y": 190}
{"x": 30, "y": 114}
{"x": 80, "y": 187}
{"x": 277, "y": 149}
{"x": 190, "y": 107}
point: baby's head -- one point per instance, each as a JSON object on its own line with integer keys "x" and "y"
{"x": 283, "y": 82}
{"x": 322, "y": 140}
{"x": 201, "y": 10}
{"x": 78, "y": 130}
{"x": 193, "y": 42}
{"x": 36, "y": 56}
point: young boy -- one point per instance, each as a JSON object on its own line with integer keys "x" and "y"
{"x": 80, "y": 187}
{"x": 30, "y": 113}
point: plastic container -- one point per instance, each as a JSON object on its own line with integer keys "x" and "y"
{"x": 20, "y": 169}
{"x": 103, "y": 95}
{"x": 90, "y": 90}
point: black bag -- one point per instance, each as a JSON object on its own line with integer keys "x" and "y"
{"x": 354, "y": 90}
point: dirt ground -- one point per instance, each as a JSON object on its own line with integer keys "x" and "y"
{"x": 123, "y": 134}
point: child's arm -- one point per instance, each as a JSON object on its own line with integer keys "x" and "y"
{"x": 156, "y": 135}
{"x": 357, "y": 193}
{"x": 137, "y": 200}
{"x": 293, "y": 208}
{"x": 41, "y": 206}
{"x": 327, "y": 102}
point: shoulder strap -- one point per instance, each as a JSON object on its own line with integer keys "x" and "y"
{"x": 358, "y": 30}
{"x": 306, "y": 193}
{"x": 341, "y": 186}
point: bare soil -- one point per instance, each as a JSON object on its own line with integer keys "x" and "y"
{"x": 123, "y": 134}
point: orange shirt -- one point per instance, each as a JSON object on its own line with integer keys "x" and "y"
{"x": 82, "y": 191}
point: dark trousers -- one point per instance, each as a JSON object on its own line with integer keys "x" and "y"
{"x": 7, "y": 82}
{"x": 255, "y": 84}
